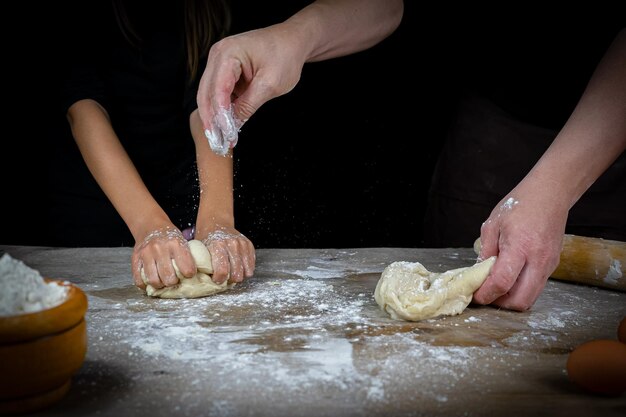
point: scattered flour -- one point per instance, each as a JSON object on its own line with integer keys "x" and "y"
{"x": 293, "y": 337}
{"x": 293, "y": 343}
{"x": 509, "y": 203}
{"x": 614, "y": 273}
{"x": 317, "y": 273}
{"x": 24, "y": 289}
{"x": 546, "y": 321}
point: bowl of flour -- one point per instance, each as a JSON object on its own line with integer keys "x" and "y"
{"x": 43, "y": 337}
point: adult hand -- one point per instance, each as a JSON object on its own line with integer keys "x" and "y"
{"x": 155, "y": 254}
{"x": 525, "y": 231}
{"x": 232, "y": 255}
{"x": 242, "y": 73}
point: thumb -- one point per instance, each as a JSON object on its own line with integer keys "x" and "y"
{"x": 213, "y": 94}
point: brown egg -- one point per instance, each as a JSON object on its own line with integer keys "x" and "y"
{"x": 599, "y": 366}
{"x": 621, "y": 331}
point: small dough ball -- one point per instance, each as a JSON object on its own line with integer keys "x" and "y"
{"x": 200, "y": 285}
{"x": 477, "y": 246}
{"x": 621, "y": 331}
{"x": 599, "y": 366}
{"x": 202, "y": 256}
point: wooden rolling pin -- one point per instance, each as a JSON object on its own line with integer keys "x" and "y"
{"x": 590, "y": 260}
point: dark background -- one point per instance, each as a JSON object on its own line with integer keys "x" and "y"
{"x": 346, "y": 158}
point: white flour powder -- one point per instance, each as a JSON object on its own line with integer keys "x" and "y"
{"x": 23, "y": 289}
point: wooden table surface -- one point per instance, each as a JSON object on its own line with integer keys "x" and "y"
{"x": 305, "y": 337}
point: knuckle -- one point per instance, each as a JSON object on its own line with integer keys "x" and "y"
{"x": 138, "y": 281}
{"x": 220, "y": 269}
{"x": 218, "y": 245}
{"x": 169, "y": 279}
{"x": 519, "y": 305}
{"x": 271, "y": 87}
{"x": 221, "y": 46}
{"x": 545, "y": 259}
{"x": 155, "y": 282}
{"x": 188, "y": 270}
{"x": 218, "y": 278}
{"x": 479, "y": 298}
{"x": 245, "y": 109}
{"x": 500, "y": 285}
{"x": 524, "y": 306}
{"x": 486, "y": 226}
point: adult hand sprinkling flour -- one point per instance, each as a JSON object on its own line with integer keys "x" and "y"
{"x": 130, "y": 100}
{"x": 245, "y": 71}
{"x": 526, "y": 228}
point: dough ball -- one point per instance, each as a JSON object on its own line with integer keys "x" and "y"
{"x": 200, "y": 285}
{"x": 202, "y": 256}
{"x": 408, "y": 291}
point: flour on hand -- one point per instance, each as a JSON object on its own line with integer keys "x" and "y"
{"x": 408, "y": 291}
{"x": 225, "y": 131}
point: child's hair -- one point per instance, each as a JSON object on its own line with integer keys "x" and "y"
{"x": 206, "y": 21}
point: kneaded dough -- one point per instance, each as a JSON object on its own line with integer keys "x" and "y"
{"x": 408, "y": 291}
{"x": 200, "y": 285}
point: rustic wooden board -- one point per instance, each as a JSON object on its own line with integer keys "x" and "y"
{"x": 305, "y": 337}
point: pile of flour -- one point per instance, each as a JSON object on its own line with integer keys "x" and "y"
{"x": 23, "y": 289}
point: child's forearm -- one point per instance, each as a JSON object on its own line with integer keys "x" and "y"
{"x": 113, "y": 170}
{"x": 216, "y": 184}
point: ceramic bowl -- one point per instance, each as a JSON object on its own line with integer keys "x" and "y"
{"x": 40, "y": 352}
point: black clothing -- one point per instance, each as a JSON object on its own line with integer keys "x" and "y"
{"x": 518, "y": 87}
{"x": 144, "y": 86}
